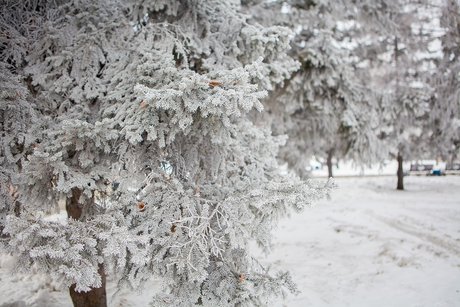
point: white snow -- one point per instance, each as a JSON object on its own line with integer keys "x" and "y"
{"x": 348, "y": 168}
{"x": 374, "y": 246}
{"x": 370, "y": 245}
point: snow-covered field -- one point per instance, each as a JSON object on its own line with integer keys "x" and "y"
{"x": 370, "y": 245}
{"x": 375, "y": 246}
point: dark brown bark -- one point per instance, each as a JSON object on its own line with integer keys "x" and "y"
{"x": 96, "y": 297}
{"x": 329, "y": 162}
{"x": 73, "y": 206}
{"x": 17, "y": 208}
{"x": 400, "y": 173}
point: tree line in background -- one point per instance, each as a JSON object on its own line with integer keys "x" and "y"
{"x": 160, "y": 127}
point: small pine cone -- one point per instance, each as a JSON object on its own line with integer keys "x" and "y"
{"x": 13, "y": 191}
{"x": 214, "y": 83}
{"x": 141, "y": 206}
{"x": 143, "y": 104}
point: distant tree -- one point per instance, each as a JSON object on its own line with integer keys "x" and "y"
{"x": 397, "y": 63}
{"x": 138, "y": 115}
{"x": 445, "y": 114}
{"x": 323, "y": 107}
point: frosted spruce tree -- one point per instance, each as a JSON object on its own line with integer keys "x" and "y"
{"x": 129, "y": 147}
{"x": 399, "y": 67}
{"x": 323, "y": 107}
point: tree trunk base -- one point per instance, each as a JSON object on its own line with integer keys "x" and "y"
{"x": 400, "y": 185}
{"x": 96, "y": 297}
{"x": 329, "y": 163}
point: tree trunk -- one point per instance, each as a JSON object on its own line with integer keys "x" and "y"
{"x": 96, "y": 297}
{"x": 329, "y": 163}
{"x": 400, "y": 173}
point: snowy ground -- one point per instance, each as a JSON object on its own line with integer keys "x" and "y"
{"x": 375, "y": 246}
{"x": 370, "y": 245}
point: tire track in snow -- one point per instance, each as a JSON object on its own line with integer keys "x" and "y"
{"x": 448, "y": 245}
